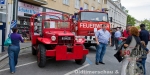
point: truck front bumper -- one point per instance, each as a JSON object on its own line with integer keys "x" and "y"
{"x": 60, "y": 52}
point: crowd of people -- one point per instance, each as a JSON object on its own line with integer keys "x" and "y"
{"x": 116, "y": 37}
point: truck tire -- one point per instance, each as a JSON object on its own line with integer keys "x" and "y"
{"x": 34, "y": 52}
{"x": 41, "y": 57}
{"x": 81, "y": 61}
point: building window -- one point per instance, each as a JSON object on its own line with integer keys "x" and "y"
{"x": 85, "y": 6}
{"x": 66, "y": 2}
{"x": 93, "y": 8}
{"x": 105, "y": 1}
{"x": 77, "y": 4}
{"x": 98, "y": 1}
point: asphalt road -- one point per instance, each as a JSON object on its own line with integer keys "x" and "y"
{"x": 27, "y": 65}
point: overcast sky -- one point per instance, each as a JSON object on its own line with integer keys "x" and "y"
{"x": 139, "y": 9}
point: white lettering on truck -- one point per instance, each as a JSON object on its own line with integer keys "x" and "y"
{"x": 86, "y": 25}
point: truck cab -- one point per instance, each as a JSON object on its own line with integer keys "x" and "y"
{"x": 86, "y": 23}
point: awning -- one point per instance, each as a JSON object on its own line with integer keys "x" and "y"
{"x": 37, "y": 2}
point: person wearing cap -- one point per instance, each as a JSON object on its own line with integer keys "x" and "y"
{"x": 102, "y": 37}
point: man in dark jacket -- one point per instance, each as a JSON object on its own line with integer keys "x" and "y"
{"x": 112, "y": 36}
{"x": 144, "y": 34}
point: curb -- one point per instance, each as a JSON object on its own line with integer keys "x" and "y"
{"x": 6, "y": 55}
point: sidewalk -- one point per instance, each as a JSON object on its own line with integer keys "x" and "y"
{"x": 4, "y": 54}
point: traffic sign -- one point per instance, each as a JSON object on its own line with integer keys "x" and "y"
{"x": 2, "y": 2}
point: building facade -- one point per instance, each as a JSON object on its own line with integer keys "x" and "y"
{"x": 118, "y": 13}
{"x": 71, "y": 6}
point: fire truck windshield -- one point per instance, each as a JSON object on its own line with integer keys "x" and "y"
{"x": 56, "y": 24}
{"x": 93, "y": 16}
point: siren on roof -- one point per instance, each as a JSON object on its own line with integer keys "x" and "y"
{"x": 81, "y": 8}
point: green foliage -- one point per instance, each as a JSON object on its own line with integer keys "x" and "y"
{"x": 138, "y": 27}
{"x": 130, "y": 20}
{"x": 147, "y": 23}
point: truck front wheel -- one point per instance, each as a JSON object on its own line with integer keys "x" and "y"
{"x": 81, "y": 61}
{"x": 41, "y": 57}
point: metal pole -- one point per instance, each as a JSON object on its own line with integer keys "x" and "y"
{"x": 15, "y": 9}
{"x": 6, "y": 29}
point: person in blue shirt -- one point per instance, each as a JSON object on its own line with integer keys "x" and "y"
{"x": 117, "y": 36}
{"x": 102, "y": 37}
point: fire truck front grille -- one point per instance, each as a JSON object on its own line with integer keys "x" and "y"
{"x": 65, "y": 39}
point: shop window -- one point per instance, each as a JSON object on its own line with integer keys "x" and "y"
{"x": 23, "y": 25}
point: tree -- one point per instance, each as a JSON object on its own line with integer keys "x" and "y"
{"x": 147, "y": 24}
{"x": 130, "y": 20}
{"x": 138, "y": 27}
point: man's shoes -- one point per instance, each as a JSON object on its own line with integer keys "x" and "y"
{"x": 12, "y": 72}
{"x": 96, "y": 63}
{"x": 101, "y": 62}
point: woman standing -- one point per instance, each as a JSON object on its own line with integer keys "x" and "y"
{"x": 14, "y": 49}
{"x": 134, "y": 35}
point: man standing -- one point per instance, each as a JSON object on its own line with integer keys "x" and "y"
{"x": 117, "y": 36}
{"x": 102, "y": 37}
{"x": 144, "y": 36}
{"x": 113, "y": 36}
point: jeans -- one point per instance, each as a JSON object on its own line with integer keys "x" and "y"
{"x": 101, "y": 49}
{"x": 143, "y": 64}
{"x": 13, "y": 52}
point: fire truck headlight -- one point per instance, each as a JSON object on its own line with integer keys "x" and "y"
{"x": 53, "y": 38}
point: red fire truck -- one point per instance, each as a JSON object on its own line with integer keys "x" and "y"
{"x": 86, "y": 23}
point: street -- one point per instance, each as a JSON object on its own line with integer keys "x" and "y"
{"x": 27, "y": 65}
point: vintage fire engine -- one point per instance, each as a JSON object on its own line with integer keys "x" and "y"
{"x": 53, "y": 37}
{"x": 86, "y": 23}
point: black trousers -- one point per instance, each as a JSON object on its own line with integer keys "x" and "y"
{"x": 116, "y": 43}
{"x": 112, "y": 41}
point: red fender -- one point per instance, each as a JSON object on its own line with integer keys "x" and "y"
{"x": 44, "y": 40}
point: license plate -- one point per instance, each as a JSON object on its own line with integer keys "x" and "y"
{"x": 66, "y": 38}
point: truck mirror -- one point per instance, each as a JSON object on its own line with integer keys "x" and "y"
{"x": 39, "y": 18}
{"x": 110, "y": 19}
